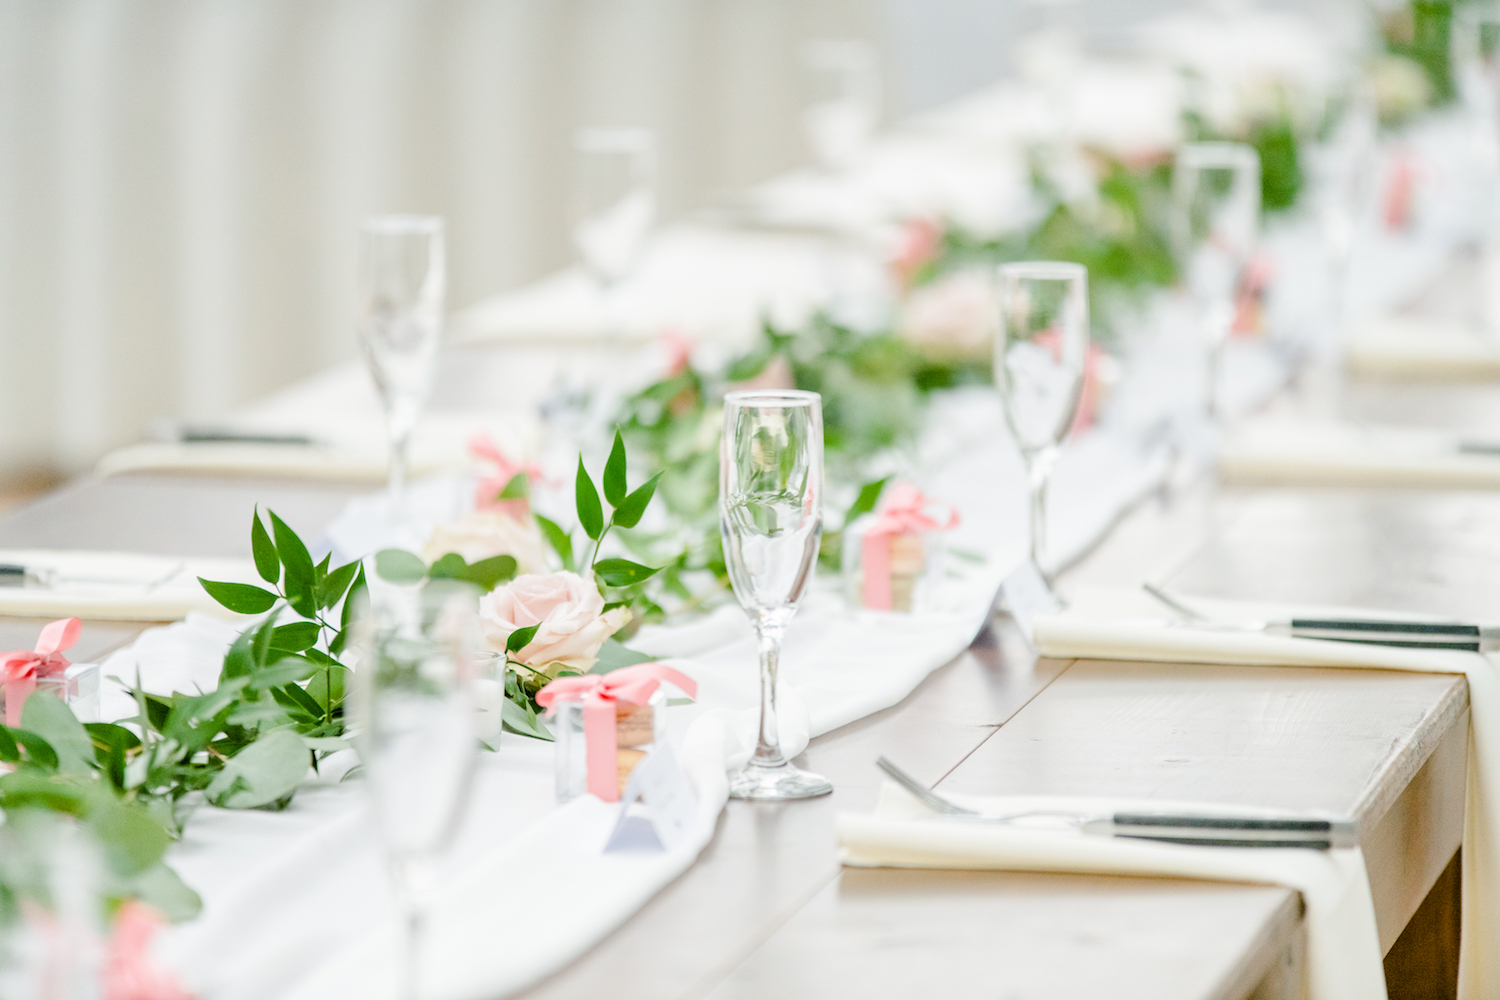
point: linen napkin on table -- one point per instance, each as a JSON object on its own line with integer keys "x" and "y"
{"x": 1129, "y": 625}
{"x": 1412, "y": 348}
{"x": 118, "y": 586}
{"x": 343, "y": 446}
{"x": 1343, "y": 960}
{"x": 1284, "y": 452}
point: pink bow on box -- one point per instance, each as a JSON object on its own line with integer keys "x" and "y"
{"x": 487, "y": 491}
{"x": 903, "y": 513}
{"x": 599, "y": 693}
{"x": 19, "y": 670}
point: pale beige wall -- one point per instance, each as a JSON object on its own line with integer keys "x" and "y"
{"x": 181, "y": 180}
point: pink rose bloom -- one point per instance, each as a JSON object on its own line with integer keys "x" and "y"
{"x": 130, "y": 973}
{"x": 569, "y": 609}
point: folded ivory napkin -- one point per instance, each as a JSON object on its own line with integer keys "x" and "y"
{"x": 1416, "y": 348}
{"x": 1343, "y": 961}
{"x": 1125, "y": 625}
{"x": 118, "y": 586}
{"x": 1282, "y": 452}
{"x": 341, "y": 446}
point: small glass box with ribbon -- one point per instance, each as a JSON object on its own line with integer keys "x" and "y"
{"x": 893, "y": 558}
{"x": 44, "y": 668}
{"x": 604, "y": 725}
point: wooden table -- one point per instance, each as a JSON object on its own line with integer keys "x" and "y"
{"x": 767, "y": 912}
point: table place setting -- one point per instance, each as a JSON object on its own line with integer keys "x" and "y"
{"x": 1281, "y": 451}
{"x": 1135, "y": 625}
{"x": 1046, "y": 835}
{"x": 118, "y": 586}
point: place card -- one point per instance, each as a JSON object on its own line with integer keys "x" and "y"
{"x": 657, "y": 784}
{"x": 1027, "y": 597}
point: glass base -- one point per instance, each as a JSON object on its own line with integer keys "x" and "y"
{"x": 777, "y": 783}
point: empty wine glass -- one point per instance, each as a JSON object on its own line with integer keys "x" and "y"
{"x": 771, "y": 519}
{"x": 1215, "y": 216}
{"x": 402, "y": 283}
{"x": 844, "y": 81}
{"x": 614, "y": 199}
{"x": 1039, "y": 368}
{"x": 417, "y": 735}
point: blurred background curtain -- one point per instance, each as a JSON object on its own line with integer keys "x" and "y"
{"x": 181, "y": 181}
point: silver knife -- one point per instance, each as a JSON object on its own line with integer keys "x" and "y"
{"x": 1198, "y": 830}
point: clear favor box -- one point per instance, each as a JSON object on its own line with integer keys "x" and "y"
{"x": 891, "y": 571}
{"x": 78, "y": 686}
{"x": 637, "y": 730}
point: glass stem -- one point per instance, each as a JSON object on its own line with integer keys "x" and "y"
{"x": 1038, "y": 472}
{"x": 768, "y": 635}
{"x": 409, "y": 877}
{"x": 397, "y": 483}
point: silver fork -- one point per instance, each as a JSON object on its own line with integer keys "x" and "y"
{"x": 1200, "y": 830}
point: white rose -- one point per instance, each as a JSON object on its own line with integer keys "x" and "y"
{"x": 955, "y": 318}
{"x": 569, "y": 610}
{"x": 482, "y": 534}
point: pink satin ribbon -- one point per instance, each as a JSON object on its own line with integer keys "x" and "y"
{"x": 487, "y": 491}
{"x": 599, "y": 693}
{"x": 903, "y": 513}
{"x": 19, "y": 670}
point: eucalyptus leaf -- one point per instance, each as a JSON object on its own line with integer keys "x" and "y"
{"x": 299, "y": 698}
{"x": 518, "y": 639}
{"x": 869, "y": 496}
{"x": 265, "y": 771}
{"x": 613, "y": 480}
{"x": 556, "y": 537}
{"x": 399, "y": 566}
{"x": 160, "y": 888}
{"x": 267, "y": 563}
{"x": 628, "y": 512}
{"x": 519, "y": 488}
{"x": 326, "y": 744}
{"x": 622, "y": 572}
{"x": 35, "y": 750}
{"x": 295, "y": 637}
{"x": 590, "y": 514}
{"x": 260, "y": 642}
{"x": 238, "y": 661}
{"x": 241, "y": 598}
{"x": 613, "y": 655}
{"x": 47, "y": 716}
{"x": 449, "y": 567}
{"x": 516, "y": 719}
{"x": 490, "y": 573}
{"x": 133, "y": 842}
{"x": 333, "y": 586}
{"x": 300, "y": 579}
{"x": 318, "y": 688}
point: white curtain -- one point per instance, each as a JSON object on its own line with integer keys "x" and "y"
{"x": 181, "y": 181}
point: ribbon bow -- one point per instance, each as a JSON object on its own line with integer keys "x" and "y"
{"x": 599, "y": 694}
{"x": 487, "y": 491}
{"x": 19, "y": 670}
{"x": 903, "y": 513}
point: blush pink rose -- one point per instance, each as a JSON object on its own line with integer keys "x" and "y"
{"x": 130, "y": 971}
{"x": 570, "y": 611}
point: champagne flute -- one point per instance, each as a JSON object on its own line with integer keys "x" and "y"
{"x": 402, "y": 282}
{"x": 1215, "y": 215}
{"x": 844, "y": 81}
{"x": 1039, "y": 368}
{"x": 614, "y": 200}
{"x": 417, "y": 737}
{"x": 771, "y": 520}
